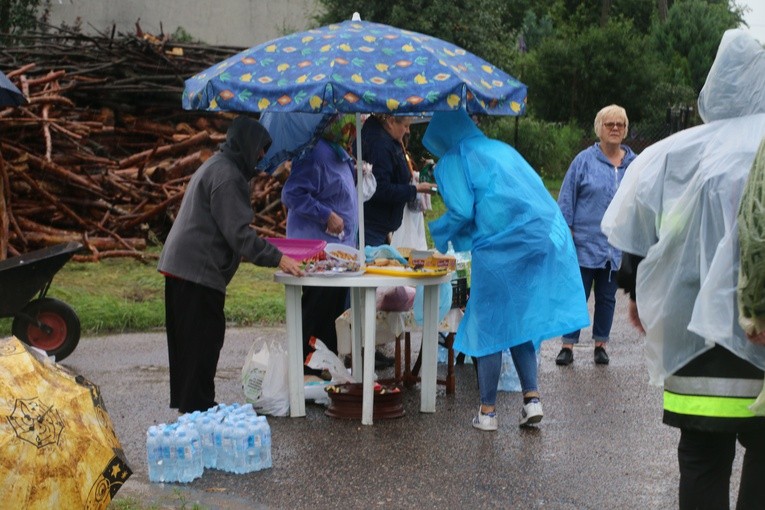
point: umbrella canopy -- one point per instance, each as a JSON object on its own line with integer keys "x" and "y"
{"x": 57, "y": 444}
{"x": 10, "y": 95}
{"x": 355, "y": 66}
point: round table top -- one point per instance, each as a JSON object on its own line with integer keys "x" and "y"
{"x": 364, "y": 280}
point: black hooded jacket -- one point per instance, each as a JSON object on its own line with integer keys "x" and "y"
{"x": 212, "y": 232}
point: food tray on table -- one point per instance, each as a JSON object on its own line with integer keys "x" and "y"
{"x": 333, "y": 274}
{"x": 298, "y": 249}
{"x": 406, "y": 271}
{"x": 341, "y": 252}
{"x": 341, "y": 260}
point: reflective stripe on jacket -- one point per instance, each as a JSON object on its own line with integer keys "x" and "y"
{"x": 713, "y": 393}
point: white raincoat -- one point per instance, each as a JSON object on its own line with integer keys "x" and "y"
{"x": 677, "y": 207}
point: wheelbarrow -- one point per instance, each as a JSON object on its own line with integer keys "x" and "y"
{"x": 39, "y": 321}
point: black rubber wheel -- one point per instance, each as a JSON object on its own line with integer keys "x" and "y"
{"x": 60, "y": 317}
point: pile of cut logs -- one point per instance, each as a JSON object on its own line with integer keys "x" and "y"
{"x": 103, "y": 151}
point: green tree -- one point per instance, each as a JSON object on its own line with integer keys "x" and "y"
{"x": 17, "y": 16}
{"x": 483, "y": 27}
{"x": 575, "y": 73}
{"x": 687, "y": 42}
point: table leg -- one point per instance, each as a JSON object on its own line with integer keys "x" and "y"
{"x": 356, "y": 325}
{"x": 451, "y": 383}
{"x": 367, "y": 403}
{"x": 295, "y": 349}
{"x": 429, "y": 349}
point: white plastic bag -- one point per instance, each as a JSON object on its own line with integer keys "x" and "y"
{"x": 324, "y": 359}
{"x": 368, "y": 181}
{"x": 264, "y": 378}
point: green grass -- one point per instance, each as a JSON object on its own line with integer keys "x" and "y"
{"x": 123, "y": 294}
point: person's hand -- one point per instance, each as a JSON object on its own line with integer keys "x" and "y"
{"x": 425, "y": 187}
{"x": 290, "y": 266}
{"x": 635, "y": 317}
{"x": 335, "y": 224}
{"x": 758, "y": 338}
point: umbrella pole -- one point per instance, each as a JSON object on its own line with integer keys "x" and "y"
{"x": 359, "y": 191}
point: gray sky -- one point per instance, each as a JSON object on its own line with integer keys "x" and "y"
{"x": 755, "y": 18}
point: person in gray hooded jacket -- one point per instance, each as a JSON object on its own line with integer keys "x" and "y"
{"x": 208, "y": 239}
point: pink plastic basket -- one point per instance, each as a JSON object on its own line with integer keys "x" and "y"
{"x": 298, "y": 249}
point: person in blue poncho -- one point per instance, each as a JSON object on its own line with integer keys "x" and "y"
{"x": 526, "y": 286}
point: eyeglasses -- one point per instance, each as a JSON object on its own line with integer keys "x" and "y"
{"x": 617, "y": 125}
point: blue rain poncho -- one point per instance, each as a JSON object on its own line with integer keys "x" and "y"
{"x": 526, "y": 283}
{"x": 677, "y": 207}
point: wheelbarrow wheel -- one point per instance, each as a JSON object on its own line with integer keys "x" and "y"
{"x": 64, "y": 334}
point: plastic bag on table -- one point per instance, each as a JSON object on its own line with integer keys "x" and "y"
{"x": 264, "y": 378}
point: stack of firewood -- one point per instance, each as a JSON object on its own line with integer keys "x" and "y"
{"x": 103, "y": 151}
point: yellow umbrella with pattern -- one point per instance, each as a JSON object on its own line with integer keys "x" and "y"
{"x": 58, "y": 448}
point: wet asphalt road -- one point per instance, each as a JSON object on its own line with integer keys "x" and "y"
{"x": 601, "y": 444}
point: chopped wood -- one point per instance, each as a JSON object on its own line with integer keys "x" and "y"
{"x": 102, "y": 152}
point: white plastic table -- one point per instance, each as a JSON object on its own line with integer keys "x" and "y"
{"x": 363, "y": 309}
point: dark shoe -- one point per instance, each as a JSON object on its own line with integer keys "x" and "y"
{"x": 601, "y": 357}
{"x": 565, "y": 357}
{"x": 382, "y": 361}
{"x": 312, "y": 371}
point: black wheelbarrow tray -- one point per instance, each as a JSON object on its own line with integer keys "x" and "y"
{"x": 43, "y": 322}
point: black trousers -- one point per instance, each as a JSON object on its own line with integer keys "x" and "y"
{"x": 320, "y": 307}
{"x": 706, "y": 460}
{"x": 196, "y": 326}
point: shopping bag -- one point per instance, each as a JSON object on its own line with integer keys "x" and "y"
{"x": 264, "y": 377}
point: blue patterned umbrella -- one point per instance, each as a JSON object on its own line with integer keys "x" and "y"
{"x": 355, "y": 67}
{"x": 10, "y": 95}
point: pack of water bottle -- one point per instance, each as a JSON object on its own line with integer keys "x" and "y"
{"x": 230, "y": 437}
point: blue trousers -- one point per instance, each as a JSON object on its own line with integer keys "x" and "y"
{"x": 603, "y": 282}
{"x": 490, "y": 366}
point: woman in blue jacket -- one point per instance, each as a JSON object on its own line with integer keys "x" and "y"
{"x": 588, "y": 187}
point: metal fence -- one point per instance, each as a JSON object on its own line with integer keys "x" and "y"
{"x": 641, "y": 135}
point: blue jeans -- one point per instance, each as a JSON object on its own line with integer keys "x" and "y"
{"x": 605, "y": 301}
{"x": 490, "y": 366}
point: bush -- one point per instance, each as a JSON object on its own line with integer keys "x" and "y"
{"x": 549, "y": 147}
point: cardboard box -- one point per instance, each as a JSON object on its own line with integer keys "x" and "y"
{"x": 432, "y": 260}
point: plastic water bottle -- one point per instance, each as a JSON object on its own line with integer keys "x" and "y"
{"x": 206, "y": 427}
{"x": 169, "y": 472}
{"x": 239, "y": 453}
{"x": 253, "y": 445}
{"x": 220, "y": 453}
{"x": 196, "y": 465}
{"x": 265, "y": 442}
{"x": 154, "y": 454}
{"x": 182, "y": 448}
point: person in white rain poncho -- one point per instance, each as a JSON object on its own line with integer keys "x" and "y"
{"x": 676, "y": 209}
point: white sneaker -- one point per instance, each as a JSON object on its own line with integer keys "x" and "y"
{"x": 531, "y": 413}
{"x": 485, "y": 421}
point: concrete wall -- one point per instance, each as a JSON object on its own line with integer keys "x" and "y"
{"x": 242, "y": 23}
